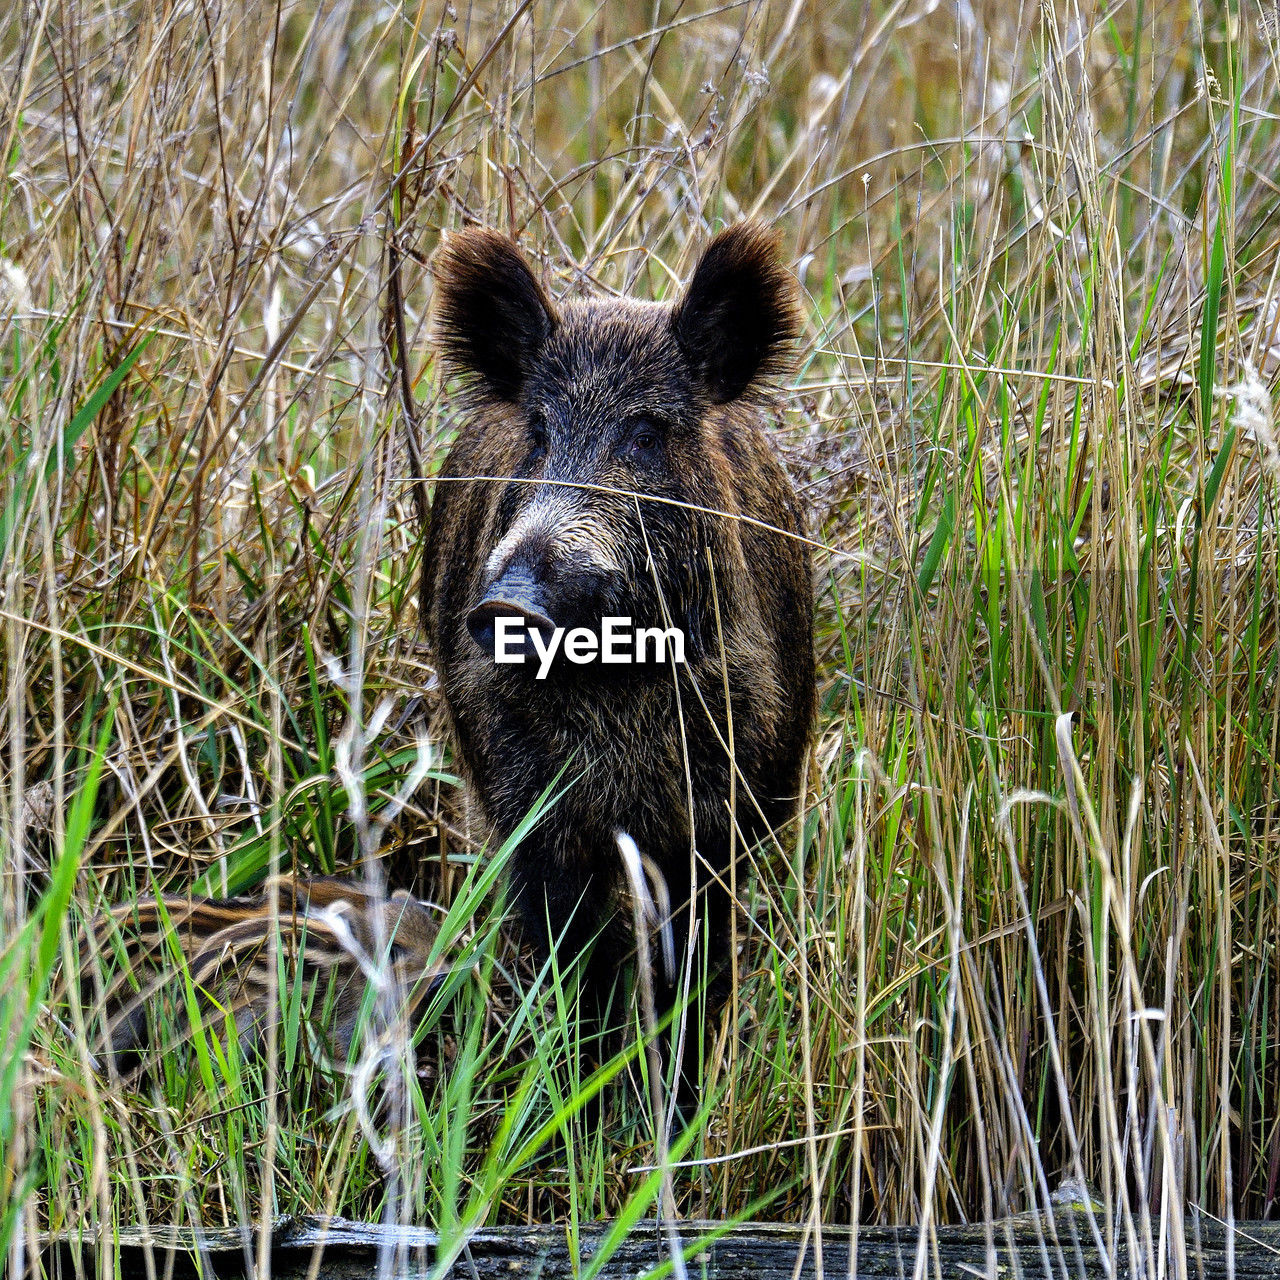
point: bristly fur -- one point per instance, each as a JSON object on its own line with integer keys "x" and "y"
{"x": 328, "y": 929}
{"x": 584, "y": 404}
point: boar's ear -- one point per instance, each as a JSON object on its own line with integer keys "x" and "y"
{"x": 489, "y": 314}
{"x": 739, "y": 314}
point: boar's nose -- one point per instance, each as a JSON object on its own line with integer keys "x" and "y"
{"x": 514, "y": 595}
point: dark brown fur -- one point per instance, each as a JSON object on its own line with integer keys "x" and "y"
{"x": 612, "y": 399}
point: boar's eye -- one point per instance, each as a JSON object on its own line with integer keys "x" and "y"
{"x": 645, "y": 438}
{"x": 537, "y": 439}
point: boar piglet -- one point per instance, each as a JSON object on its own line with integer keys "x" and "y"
{"x": 612, "y": 470}
{"x": 169, "y": 957}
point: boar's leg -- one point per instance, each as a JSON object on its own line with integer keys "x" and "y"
{"x": 705, "y": 974}
{"x": 562, "y": 911}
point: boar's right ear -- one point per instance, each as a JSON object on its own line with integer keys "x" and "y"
{"x": 489, "y": 314}
{"x": 739, "y": 315}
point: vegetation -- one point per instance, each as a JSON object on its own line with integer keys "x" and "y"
{"x": 1029, "y": 925}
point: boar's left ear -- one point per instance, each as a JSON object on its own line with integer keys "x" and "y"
{"x": 739, "y": 314}
{"x": 490, "y": 315}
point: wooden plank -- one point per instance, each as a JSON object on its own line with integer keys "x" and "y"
{"x": 1052, "y": 1247}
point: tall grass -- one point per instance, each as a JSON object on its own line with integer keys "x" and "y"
{"x": 1027, "y": 928}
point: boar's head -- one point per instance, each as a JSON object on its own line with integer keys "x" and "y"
{"x": 599, "y": 420}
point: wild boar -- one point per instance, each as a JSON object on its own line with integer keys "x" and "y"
{"x": 333, "y": 935}
{"x": 612, "y": 470}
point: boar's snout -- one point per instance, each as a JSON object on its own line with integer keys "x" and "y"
{"x": 515, "y": 594}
